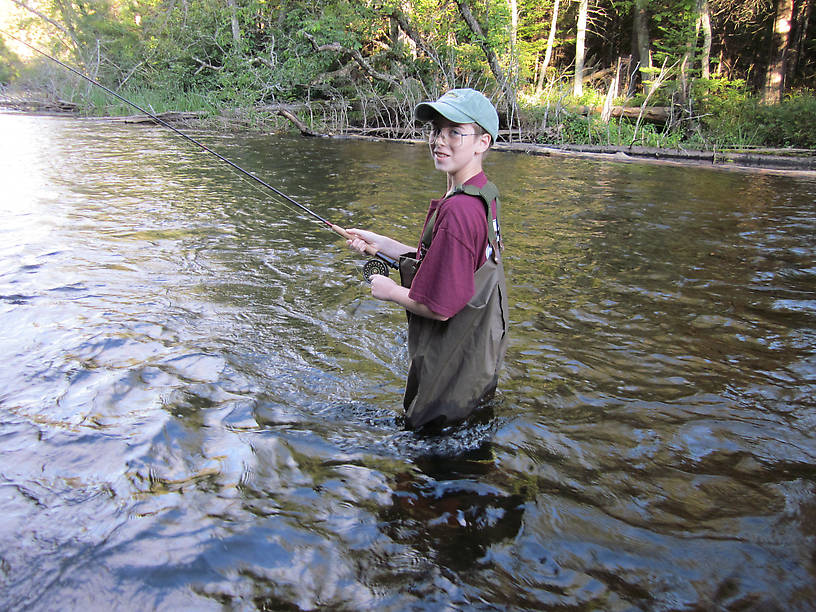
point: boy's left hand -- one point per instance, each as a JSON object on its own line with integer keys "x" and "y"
{"x": 383, "y": 287}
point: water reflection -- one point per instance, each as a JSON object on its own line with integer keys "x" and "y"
{"x": 201, "y": 404}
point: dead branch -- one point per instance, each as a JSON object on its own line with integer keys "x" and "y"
{"x": 358, "y": 57}
{"x": 299, "y": 124}
{"x": 411, "y": 32}
{"x": 490, "y": 55}
{"x": 262, "y": 60}
{"x": 203, "y": 65}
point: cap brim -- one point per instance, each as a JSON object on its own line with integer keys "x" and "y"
{"x": 426, "y": 111}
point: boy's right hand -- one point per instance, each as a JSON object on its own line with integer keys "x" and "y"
{"x": 363, "y": 239}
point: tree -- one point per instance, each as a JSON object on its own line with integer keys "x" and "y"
{"x": 701, "y": 19}
{"x": 236, "y": 28}
{"x": 548, "y": 52}
{"x": 9, "y": 64}
{"x": 490, "y": 54}
{"x": 640, "y": 37}
{"x": 512, "y": 6}
{"x": 802, "y": 21}
{"x": 580, "y": 48}
{"x": 705, "y": 24}
{"x": 421, "y": 43}
{"x": 777, "y": 58}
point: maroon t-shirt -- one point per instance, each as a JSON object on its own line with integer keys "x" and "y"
{"x": 444, "y": 281}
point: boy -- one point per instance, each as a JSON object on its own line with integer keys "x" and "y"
{"x": 453, "y": 286}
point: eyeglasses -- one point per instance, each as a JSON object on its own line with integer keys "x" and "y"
{"x": 453, "y": 136}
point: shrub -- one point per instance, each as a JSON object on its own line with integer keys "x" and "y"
{"x": 731, "y": 115}
{"x": 792, "y": 123}
{"x": 9, "y": 64}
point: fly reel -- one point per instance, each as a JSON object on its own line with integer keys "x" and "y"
{"x": 372, "y": 267}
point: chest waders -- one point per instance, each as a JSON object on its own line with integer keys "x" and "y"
{"x": 455, "y": 363}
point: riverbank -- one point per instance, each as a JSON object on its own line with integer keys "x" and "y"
{"x": 787, "y": 160}
{"x": 799, "y": 161}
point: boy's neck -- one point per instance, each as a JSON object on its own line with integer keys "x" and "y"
{"x": 463, "y": 176}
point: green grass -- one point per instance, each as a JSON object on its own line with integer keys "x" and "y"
{"x": 97, "y": 102}
{"x": 722, "y": 114}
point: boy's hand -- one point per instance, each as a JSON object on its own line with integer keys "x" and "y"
{"x": 383, "y": 287}
{"x": 362, "y": 239}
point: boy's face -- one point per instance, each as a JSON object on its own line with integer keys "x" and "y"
{"x": 457, "y": 148}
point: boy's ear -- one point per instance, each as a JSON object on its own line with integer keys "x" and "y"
{"x": 483, "y": 142}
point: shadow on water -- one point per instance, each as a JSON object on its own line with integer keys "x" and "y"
{"x": 201, "y": 404}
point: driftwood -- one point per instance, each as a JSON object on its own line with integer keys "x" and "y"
{"x": 167, "y": 117}
{"x": 299, "y": 124}
{"x": 39, "y": 106}
{"x": 399, "y": 133}
{"x": 653, "y": 114}
{"x": 776, "y": 159}
{"x": 336, "y": 47}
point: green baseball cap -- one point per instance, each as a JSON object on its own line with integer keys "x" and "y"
{"x": 462, "y": 106}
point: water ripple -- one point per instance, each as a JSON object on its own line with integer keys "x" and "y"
{"x": 201, "y": 404}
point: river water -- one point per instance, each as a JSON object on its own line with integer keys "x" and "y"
{"x": 200, "y": 403}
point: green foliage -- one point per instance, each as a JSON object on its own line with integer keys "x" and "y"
{"x": 589, "y": 97}
{"x": 731, "y": 114}
{"x": 9, "y": 64}
{"x": 591, "y": 130}
{"x": 725, "y": 108}
{"x": 792, "y": 123}
{"x": 188, "y": 55}
{"x": 672, "y": 27}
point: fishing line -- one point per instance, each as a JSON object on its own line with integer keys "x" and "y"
{"x": 376, "y": 266}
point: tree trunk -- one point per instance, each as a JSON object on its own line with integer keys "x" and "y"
{"x": 801, "y": 23}
{"x": 777, "y": 58}
{"x": 548, "y": 52}
{"x": 688, "y": 57}
{"x": 705, "y": 22}
{"x": 641, "y": 35}
{"x": 419, "y": 42}
{"x": 512, "y": 5}
{"x": 236, "y": 30}
{"x": 580, "y": 49}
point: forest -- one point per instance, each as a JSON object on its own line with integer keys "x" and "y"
{"x": 672, "y": 73}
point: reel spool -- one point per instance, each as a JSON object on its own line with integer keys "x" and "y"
{"x": 374, "y": 266}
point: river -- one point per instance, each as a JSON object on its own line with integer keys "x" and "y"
{"x": 200, "y": 402}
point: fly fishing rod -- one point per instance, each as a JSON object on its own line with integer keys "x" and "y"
{"x": 374, "y": 266}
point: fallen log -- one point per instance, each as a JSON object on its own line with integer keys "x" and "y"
{"x": 653, "y": 114}
{"x": 299, "y": 124}
{"x": 776, "y": 159}
{"x": 390, "y": 132}
{"x": 31, "y": 105}
{"x": 168, "y": 117}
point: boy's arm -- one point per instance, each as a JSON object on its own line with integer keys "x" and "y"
{"x": 384, "y": 288}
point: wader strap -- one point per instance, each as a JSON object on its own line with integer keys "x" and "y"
{"x": 427, "y": 233}
{"x": 488, "y": 194}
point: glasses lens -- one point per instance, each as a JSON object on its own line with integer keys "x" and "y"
{"x": 451, "y": 136}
